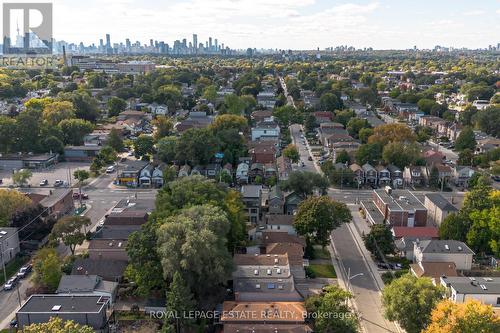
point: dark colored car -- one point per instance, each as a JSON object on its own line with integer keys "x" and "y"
{"x": 77, "y": 196}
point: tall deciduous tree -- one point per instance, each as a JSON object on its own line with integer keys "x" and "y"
{"x": 400, "y": 154}
{"x": 392, "y": 133}
{"x": 410, "y": 300}
{"x": 11, "y": 202}
{"x": 81, "y": 176}
{"x": 57, "y": 325}
{"x": 74, "y": 130}
{"x": 304, "y": 183}
{"x": 164, "y": 127}
{"x": 471, "y": 316}
{"x": 194, "y": 243}
{"x": 21, "y": 177}
{"x": 291, "y": 152}
{"x": 47, "y": 268}
{"x": 115, "y": 141}
{"x": 379, "y": 241}
{"x": 331, "y": 311}
{"x": 143, "y": 145}
{"x": 318, "y": 216}
{"x": 116, "y": 105}
{"x": 69, "y": 229}
{"x": 179, "y": 302}
{"x": 466, "y": 140}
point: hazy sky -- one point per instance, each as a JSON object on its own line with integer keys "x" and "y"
{"x": 296, "y": 24}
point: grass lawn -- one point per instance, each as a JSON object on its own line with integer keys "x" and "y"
{"x": 12, "y": 267}
{"x": 321, "y": 253}
{"x": 323, "y": 271}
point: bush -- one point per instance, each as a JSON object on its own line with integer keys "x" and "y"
{"x": 310, "y": 273}
{"x": 388, "y": 278}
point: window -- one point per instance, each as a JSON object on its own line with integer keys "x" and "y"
{"x": 498, "y": 300}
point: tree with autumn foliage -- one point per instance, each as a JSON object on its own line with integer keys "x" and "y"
{"x": 388, "y": 133}
{"x": 469, "y": 317}
{"x": 57, "y": 325}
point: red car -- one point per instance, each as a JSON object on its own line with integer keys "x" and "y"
{"x": 76, "y": 195}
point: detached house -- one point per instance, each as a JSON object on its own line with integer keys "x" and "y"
{"x": 462, "y": 175}
{"x": 358, "y": 172}
{"x": 384, "y": 175}
{"x": 396, "y": 175}
{"x": 370, "y": 174}
{"x": 444, "y": 251}
{"x": 415, "y": 175}
{"x": 130, "y": 174}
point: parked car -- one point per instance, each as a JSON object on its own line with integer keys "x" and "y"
{"x": 130, "y": 153}
{"x": 58, "y": 183}
{"x": 24, "y": 271}
{"x": 76, "y": 195}
{"x": 309, "y": 158}
{"x": 10, "y": 284}
{"x": 110, "y": 169}
{"x": 44, "y": 182}
{"x": 495, "y": 178}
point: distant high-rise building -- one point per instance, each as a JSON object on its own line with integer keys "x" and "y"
{"x": 151, "y": 43}
{"x": 210, "y": 43}
{"x": 216, "y": 46}
{"x": 109, "y": 50}
{"x": 195, "y": 43}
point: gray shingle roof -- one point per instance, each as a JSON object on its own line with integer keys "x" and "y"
{"x": 443, "y": 204}
{"x": 444, "y": 246}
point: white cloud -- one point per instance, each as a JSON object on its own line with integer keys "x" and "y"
{"x": 476, "y": 12}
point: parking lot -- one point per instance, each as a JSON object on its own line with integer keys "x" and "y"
{"x": 61, "y": 171}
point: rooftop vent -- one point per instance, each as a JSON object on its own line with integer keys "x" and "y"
{"x": 483, "y": 287}
{"x": 256, "y": 272}
{"x": 56, "y": 307}
{"x": 446, "y": 246}
{"x": 278, "y": 270}
{"x": 459, "y": 248}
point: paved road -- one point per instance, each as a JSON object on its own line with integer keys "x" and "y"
{"x": 349, "y": 250}
{"x": 102, "y": 197}
{"x": 289, "y": 98}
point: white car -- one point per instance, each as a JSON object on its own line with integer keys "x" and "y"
{"x": 110, "y": 169}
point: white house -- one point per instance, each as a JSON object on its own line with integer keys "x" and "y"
{"x": 443, "y": 251}
{"x": 484, "y": 289}
{"x": 280, "y": 223}
{"x": 145, "y": 176}
{"x": 157, "y": 176}
{"x": 9, "y": 244}
{"x": 242, "y": 172}
{"x": 158, "y": 109}
{"x": 267, "y": 129}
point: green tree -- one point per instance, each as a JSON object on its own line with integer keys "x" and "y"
{"x": 364, "y": 134}
{"x": 10, "y": 203}
{"x": 86, "y": 107}
{"x": 69, "y": 230}
{"x": 488, "y": 120}
{"x": 194, "y": 244}
{"x": 355, "y": 125}
{"x": 369, "y": 153}
{"x": 116, "y": 105}
{"x": 47, "y": 268}
{"x": 179, "y": 302}
{"x": 81, "y": 176}
{"x": 53, "y": 144}
{"x": 344, "y": 116}
{"x": 164, "y": 127}
{"x": 21, "y": 177}
{"x": 7, "y": 134}
{"x": 167, "y": 148}
{"x": 234, "y": 104}
{"x": 115, "y": 141}
{"x": 304, "y": 183}
{"x": 317, "y": 217}
{"x": 210, "y": 93}
{"x": 292, "y": 153}
{"x": 55, "y": 112}
{"x": 409, "y": 301}
{"x": 197, "y": 145}
{"x": 455, "y": 226}
{"x": 342, "y": 157}
{"x": 379, "y": 241}
{"x": 329, "y": 102}
{"x": 400, "y": 154}
{"x": 144, "y": 266}
{"x": 466, "y": 157}
{"x": 57, "y": 325}
{"x": 332, "y": 312}
{"x": 229, "y": 121}
{"x": 74, "y": 130}
{"x": 143, "y": 146}
{"x": 466, "y": 140}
